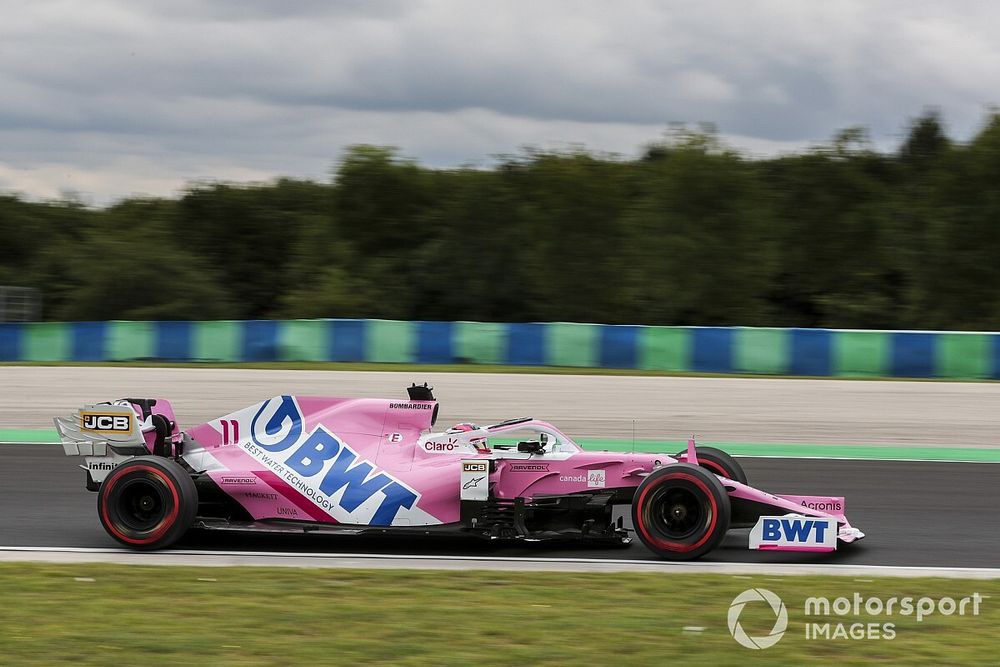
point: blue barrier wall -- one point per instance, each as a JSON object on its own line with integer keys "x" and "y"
{"x": 809, "y": 352}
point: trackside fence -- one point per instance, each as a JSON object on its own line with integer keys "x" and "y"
{"x": 768, "y": 351}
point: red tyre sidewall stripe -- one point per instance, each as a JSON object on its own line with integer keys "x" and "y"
{"x": 715, "y": 468}
{"x": 164, "y": 525}
{"x": 667, "y": 544}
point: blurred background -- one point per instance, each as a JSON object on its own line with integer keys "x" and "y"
{"x": 829, "y": 165}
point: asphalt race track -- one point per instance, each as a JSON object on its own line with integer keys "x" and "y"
{"x": 914, "y": 513}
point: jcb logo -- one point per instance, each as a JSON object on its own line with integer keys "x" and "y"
{"x": 92, "y": 421}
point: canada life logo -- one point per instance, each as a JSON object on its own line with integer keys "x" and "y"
{"x": 324, "y": 468}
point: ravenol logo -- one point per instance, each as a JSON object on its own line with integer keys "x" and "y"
{"x": 351, "y": 490}
{"x": 780, "y": 618}
{"x": 813, "y": 533}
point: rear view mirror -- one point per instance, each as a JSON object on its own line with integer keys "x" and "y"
{"x": 530, "y": 447}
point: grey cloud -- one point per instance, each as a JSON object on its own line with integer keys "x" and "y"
{"x": 235, "y": 82}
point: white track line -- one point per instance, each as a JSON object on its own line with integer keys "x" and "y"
{"x": 428, "y": 562}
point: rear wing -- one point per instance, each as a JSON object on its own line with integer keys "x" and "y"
{"x": 96, "y": 429}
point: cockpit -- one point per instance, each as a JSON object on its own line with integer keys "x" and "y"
{"x": 532, "y": 437}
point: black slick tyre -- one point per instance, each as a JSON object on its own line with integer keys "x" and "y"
{"x": 717, "y": 461}
{"x": 681, "y": 511}
{"x": 147, "y": 502}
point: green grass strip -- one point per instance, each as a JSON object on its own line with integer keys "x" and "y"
{"x": 28, "y": 435}
{"x": 803, "y": 450}
{"x": 114, "y": 614}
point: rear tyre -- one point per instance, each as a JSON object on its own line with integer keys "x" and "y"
{"x": 717, "y": 461}
{"x": 681, "y": 511}
{"x": 147, "y": 502}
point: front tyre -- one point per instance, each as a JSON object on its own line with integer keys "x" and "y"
{"x": 717, "y": 461}
{"x": 147, "y": 502}
{"x": 681, "y": 511}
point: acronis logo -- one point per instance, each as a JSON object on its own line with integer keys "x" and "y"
{"x": 324, "y": 468}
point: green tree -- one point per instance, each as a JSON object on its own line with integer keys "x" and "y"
{"x": 699, "y": 242}
{"x": 129, "y": 266}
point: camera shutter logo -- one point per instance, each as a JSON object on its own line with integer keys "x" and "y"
{"x": 780, "y": 620}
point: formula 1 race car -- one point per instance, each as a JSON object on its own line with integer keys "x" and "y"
{"x": 364, "y": 466}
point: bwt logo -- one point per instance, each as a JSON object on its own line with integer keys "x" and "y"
{"x": 794, "y": 530}
{"x": 794, "y": 533}
{"x": 322, "y": 460}
{"x": 92, "y": 421}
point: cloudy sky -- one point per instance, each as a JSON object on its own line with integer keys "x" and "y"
{"x": 110, "y": 98}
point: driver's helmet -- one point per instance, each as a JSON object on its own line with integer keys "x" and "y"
{"x": 464, "y": 427}
{"x": 480, "y": 442}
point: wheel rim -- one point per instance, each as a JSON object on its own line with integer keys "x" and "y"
{"x": 679, "y": 513}
{"x": 142, "y": 504}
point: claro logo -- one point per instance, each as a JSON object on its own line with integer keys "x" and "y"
{"x": 449, "y": 446}
{"x": 95, "y": 421}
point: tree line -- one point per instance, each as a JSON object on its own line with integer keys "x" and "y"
{"x": 689, "y": 233}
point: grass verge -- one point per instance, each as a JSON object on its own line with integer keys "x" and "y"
{"x": 112, "y": 614}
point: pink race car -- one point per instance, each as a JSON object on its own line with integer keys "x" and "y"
{"x": 362, "y": 466}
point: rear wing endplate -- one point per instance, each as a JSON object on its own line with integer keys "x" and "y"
{"x": 97, "y": 428}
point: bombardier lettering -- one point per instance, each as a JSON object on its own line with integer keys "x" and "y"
{"x": 325, "y": 468}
